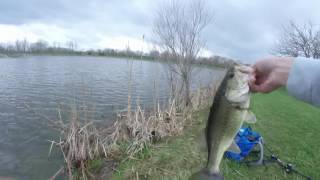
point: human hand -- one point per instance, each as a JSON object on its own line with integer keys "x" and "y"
{"x": 269, "y": 74}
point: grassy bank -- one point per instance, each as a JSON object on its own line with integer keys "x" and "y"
{"x": 289, "y": 127}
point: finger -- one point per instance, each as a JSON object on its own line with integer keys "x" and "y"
{"x": 262, "y": 88}
{"x": 259, "y": 88}
{"x": 265, "y": 87}
{"x": 252, "y": 78}
{"x": 254, "y": 66}
{"x": 253, "y": 87}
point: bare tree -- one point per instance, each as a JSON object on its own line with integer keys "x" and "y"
{"x": 178, "y": 26}
{"x": 71, "y": 45}
{"x": 21, "y": 46}
{"x": 17, "y": 46}
{"x": 24, "y": 45}
{"x": 39, "y": 46}
{"x": 2, "y": 48}
{"x": 299, "y": 40}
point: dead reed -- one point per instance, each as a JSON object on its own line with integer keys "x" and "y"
{"x": 80, "y": 142}
{"x": 142, "y": 127}
{"x": 138, "y": 128}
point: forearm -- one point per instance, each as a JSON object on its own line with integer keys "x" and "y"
{"x": 304, "y": 80}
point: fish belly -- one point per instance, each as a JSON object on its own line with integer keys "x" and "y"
{"x": 226, "y": 123}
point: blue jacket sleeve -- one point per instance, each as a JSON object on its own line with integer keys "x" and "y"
{"x": 304, "y": 80}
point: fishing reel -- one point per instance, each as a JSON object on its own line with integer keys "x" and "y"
{"x": 288, "y": 167}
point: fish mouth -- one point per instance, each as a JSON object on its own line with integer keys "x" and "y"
{"x": 240, "y": 98}
{"x": 239, "y": 95}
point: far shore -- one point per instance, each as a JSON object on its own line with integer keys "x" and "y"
{"x": 202, "y": 62}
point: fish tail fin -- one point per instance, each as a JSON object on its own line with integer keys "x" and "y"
{"x": 206, "y": 175}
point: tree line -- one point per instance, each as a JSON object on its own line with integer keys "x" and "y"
{"x": 40, "y": 46}
{"x": 24, "y": 47}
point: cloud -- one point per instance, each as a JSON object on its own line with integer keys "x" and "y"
{"x": 241, "y": 29}
{"x": 247, "y": 30}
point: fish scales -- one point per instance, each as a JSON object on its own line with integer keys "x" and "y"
{"x": 227, "y": 113}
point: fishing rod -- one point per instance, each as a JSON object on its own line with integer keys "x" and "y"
{"x": 288, "y": 167}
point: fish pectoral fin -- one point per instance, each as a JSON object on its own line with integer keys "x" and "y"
{"x": 250, "y": 117}
{"x": 234, "y": 148}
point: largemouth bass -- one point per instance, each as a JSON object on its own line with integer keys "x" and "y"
{"x": 229, "y": 109}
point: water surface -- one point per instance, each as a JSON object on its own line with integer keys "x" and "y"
{"x": 32, "y": 89}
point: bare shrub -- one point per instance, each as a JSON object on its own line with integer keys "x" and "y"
{"x": 178, "y": 26}
{"x": 299, "y": 40}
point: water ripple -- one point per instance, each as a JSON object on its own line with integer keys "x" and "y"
{"x": 46, "y": 84}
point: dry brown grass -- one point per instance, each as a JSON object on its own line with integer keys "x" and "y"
{"x": 138, "y": 128}
{"x": 81, "y": 142}
{"x": 142, "y": 128}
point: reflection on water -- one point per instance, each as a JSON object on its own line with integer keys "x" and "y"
{"x": 46, "y": 84}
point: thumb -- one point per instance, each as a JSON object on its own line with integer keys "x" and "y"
{"x": 264, "y": 87}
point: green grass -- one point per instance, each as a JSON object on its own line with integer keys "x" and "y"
{"x": 289, "y": 127}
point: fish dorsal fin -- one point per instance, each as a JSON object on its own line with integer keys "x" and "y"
{"x": 234, "y": 148}
{"x": 250, "y": 117}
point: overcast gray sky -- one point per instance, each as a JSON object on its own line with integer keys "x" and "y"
{"x": 242, "y": 29}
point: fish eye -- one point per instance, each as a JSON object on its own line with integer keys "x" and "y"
{"x": 231, "y": 75}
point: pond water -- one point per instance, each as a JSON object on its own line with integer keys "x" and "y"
{"x": 33, "y": 89}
